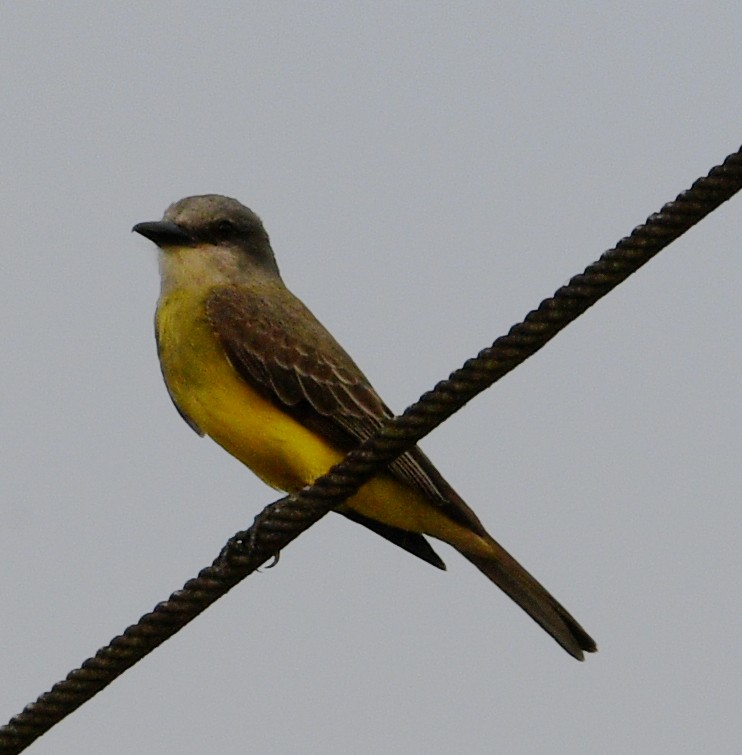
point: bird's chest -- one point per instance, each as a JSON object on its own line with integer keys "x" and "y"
{"x": 187, "y": 348}
{"x": 215, "y": 399}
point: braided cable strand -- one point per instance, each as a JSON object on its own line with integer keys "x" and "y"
{"x": 278, "y": 524}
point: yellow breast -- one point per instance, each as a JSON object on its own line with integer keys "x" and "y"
{"x": 209, "y": 391}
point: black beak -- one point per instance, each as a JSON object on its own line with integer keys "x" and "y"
{"x": 163, "y": 233}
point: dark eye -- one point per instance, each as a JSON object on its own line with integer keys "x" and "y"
{"x": 224, "y": 227}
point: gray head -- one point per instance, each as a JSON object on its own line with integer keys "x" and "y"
{"x": 212, "y": 220}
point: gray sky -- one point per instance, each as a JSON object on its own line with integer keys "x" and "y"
{"x": 427, "y": 175}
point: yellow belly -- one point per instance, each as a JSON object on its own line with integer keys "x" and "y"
{"x": 282, "y": 452}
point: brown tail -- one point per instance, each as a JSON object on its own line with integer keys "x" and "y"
{"x": 516, "y": 582}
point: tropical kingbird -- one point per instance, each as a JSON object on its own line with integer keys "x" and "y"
{"x": 246, "y": 363}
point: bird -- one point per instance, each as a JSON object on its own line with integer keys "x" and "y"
{"x": 247, "y": 363}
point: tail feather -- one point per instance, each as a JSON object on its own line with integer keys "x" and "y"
{"x": 517, "y": 583}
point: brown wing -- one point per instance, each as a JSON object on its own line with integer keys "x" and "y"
{"x": 278, "y": 346}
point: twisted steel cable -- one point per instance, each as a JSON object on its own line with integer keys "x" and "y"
{"x": 282, "y": 521}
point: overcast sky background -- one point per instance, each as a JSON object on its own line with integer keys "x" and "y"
{"x": 427, "y": 175}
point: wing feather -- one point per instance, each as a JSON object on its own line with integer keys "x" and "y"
{"x": 277, "y": 345}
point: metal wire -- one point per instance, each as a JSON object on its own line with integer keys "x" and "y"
{"x": 278, "y": 524}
